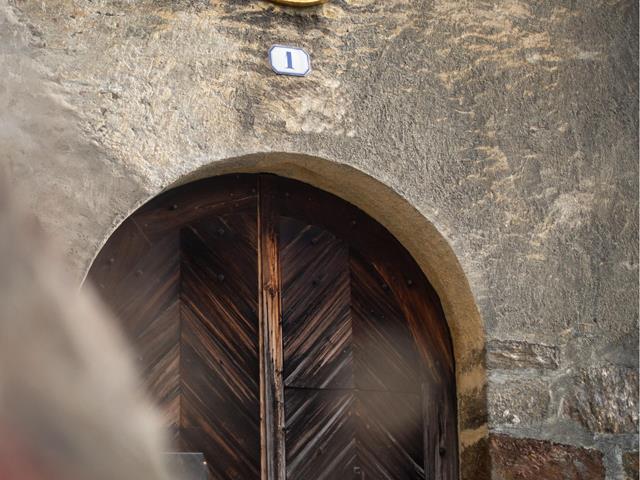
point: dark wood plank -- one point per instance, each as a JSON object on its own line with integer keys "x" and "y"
{"x": 320, "y": 434}
{"x": 316, "y": 319}
{"x": 124, "y": 248}
{"x": 440, "y": 439}
{"x": 197, "y": 201}
{"x": 147, "y": 287}
{"x": 385, "y": 354}
{"x": 220, "y": 412}
{"x": 389, "y": 435}
{"x": 359, "y": 321}
{"x": 139, "y": 281}
{"x": 219, "y": 341}
{"x": 271, "y": 385}
{"x": 397, "y": 271}
{"x": 159, "y": 357}
{"x": 332, "y": 293}
{"x": 338, "y": 434}
{"x": 372, "y": 241}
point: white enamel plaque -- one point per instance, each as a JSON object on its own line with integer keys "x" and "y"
{"x": 289, "y": 60}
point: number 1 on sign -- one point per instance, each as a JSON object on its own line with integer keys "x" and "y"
{"x": 288, "y": 60}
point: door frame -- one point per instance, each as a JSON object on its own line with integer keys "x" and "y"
{"x": 417, "y": 269}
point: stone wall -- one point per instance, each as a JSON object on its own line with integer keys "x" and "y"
{"x": 509, "y": 126}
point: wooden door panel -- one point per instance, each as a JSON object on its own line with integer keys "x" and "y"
{"x": 219, "y": 339}
{"x": 206, "y": 361}
{"x": 419, "y": 301}
{"x": 202, "y": 200}
{"x": 338, "y": 309}
{"x": 319, "y": 434}
{"x": 148, "y": 287}
{"x": 389, "y": 435}
{"x": 316, "y": 320}
{"x": 159, "y": 360}
{"x": 219, "y": 286}
{"x": 340, "y": 434}
{"x": 139, "y": 280}
{"x": 385, "y": 356}
{"x": 123, "y": 249}
{"x": 219, "y": 410}
{"x": 268, "y": 314}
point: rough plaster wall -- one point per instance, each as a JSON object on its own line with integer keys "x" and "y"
{"x": 511, "y": 125}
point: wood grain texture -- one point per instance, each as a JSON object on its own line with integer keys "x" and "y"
{"x": 440, "y": 445}
{"x": 316, "y": 318}
{"x": 271, "y": 358}
{"x": 219, "y": 370}
{"x": 285, "y": 333}
{"x": 139, "y": 281}
{"x": 385, "y": 353}
{"x": 389, "y": 435}
{"x": 415, "y": 301}
{"x": 320, "y": 434}
{"x": 337, "y": 434}
{"x": 353, "y": 403}
{"x": 197, "y": 201}
{"x": 373, "y": 242}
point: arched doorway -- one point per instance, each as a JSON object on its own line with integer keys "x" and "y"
{"x": 285, "y": 333}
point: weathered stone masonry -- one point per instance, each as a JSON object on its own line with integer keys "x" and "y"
{"x": 497, "y": 140}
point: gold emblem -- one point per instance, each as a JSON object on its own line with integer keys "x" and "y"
{"x": 299, "y": 3}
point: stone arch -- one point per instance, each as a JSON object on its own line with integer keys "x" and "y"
{"x": 429, "y": 248}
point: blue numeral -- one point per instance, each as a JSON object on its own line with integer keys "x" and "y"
{"x": 289, "y": 61}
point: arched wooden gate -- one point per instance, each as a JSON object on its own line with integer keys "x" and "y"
{"x": 285, "y": 333}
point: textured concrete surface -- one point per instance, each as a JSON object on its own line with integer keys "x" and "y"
{"x": 496, "y": 139}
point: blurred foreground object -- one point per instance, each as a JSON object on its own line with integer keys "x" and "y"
{"x": 70, "y": 404}
{"x": 187, "y": 465}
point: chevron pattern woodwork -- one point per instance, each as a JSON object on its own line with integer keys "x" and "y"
{"x": 139, "y": 280}
{"x": 316, "y": 323}
{"x": 220, "y": 390}
{"x": 281, "y": 331}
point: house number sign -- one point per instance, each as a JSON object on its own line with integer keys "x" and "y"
{"x": 286, "y": 60}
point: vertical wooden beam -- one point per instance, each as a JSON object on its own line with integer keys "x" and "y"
{"x": 271, "y": 387}
{"x": 440, "y": 439}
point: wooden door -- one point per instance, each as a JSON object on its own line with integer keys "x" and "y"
{"x": 285, "y": 333}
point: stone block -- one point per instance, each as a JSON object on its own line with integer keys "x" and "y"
{"x": 514, "y": 354}
{"x": 528, "y": 459}
{"x": 517, "y": 401}
{"x": 604, "y": 399}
